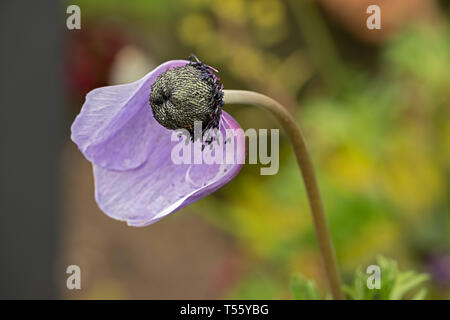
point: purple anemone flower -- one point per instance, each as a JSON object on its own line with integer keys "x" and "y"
{"x": 135, "y": 177}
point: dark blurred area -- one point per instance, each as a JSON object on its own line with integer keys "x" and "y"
{"x": 374, "y": 105}
{"x": 32, "y": 134}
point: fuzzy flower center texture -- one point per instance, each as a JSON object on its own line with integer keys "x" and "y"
{"x": 183, "y": 95}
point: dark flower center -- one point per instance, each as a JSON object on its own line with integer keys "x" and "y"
{"x": 183, "y": 95}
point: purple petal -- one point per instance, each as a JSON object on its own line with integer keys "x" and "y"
{"x": 159, "y": 187}
{"x": 115, "y": 128}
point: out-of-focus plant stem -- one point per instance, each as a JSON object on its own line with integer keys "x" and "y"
{"x": 306, "y": 167}
{"x": 318, "y": 40}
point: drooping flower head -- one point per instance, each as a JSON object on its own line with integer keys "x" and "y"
{"x": 126, "y": 132}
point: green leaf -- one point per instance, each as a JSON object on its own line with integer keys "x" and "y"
{"x": 420, "y": 295}
{"x": 303, "y": 289}
{"x": 406, "y": 282}
{"x": 394, "y": 284}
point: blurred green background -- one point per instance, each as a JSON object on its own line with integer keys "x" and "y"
{"x": 374, "y": 107}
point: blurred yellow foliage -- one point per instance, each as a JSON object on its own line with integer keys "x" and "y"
{"x": 266, "y": 13}
{"x": 263, "y": 222}
{"x": 109, "y": 289}
{"x": 411, "y": 176}
{"x": 196, "y": 29}
{"x": 231, "y": 10}
{"x": 248, "y": 63}
{"x": 353, "y": 169}
{"x": 377, "y": 237}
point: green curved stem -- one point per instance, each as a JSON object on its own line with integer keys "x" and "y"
{"x": 309, "y": 177}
